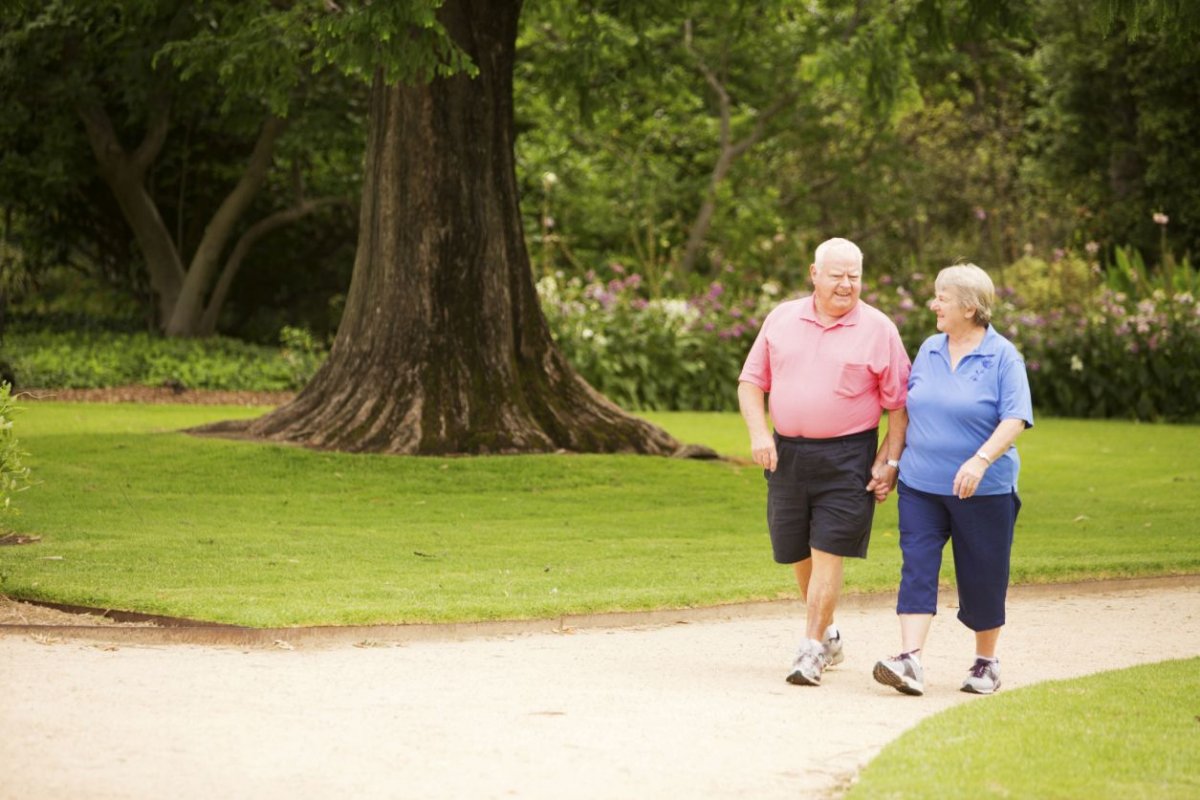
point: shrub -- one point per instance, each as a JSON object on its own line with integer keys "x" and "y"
{"x": 1091, "y": 350}
{"x": 1132, "y": 351}
{"x": 78, "y": 360}
{"x": 14, "y": 475}
{"x": 655, "y": 354}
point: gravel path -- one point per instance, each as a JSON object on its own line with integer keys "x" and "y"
{"x": 697, "y": 708}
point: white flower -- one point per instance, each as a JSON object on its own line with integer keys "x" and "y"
{"x": 675, "y": 308}
{"x": 1076, "y": 364}
{"x": 1160, "y": 218}
{"x": 587, "y": 333}
{"x": 549, "y": 180}
{"x": 770, "y": 288}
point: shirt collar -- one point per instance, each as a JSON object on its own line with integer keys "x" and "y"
{"x": 808, "y": 311}
{"x": 990, "y": 346}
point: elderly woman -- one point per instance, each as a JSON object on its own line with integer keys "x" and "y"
{"x": 968, "y": 400}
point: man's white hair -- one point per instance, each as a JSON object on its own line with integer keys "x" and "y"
{"x": 841, "y": 250}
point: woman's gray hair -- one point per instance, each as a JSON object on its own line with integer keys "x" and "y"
{"x": 971, "y": 287}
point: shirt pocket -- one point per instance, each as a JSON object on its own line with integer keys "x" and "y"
{"x": 856, "y": 379}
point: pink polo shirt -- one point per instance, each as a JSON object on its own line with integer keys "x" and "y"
{"x": 827, "y": 382}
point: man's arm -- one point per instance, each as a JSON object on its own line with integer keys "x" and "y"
{"x": 762, "y": 443}
{"x": 883, "y": 477}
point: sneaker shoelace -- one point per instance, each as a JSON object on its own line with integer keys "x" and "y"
{"x": 980, "y": 668}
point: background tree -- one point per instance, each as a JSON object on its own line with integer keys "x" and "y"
{"x": 1115, "y": 120}
{"x": 184, "y": 109}
{"x": 443, "y": 347}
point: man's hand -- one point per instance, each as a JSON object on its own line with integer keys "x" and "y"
{"x": 762, "y": 449}
{"x": 883, "y": 480}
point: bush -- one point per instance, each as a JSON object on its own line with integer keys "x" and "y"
{"x": 1091, "y": 350}
{"x": 77, "y": 360}
{"x": 1126, "y": 343}
{"x": 655, "y": 354}
{"x": 14, "y": 475}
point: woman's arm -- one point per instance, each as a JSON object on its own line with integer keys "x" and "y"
{"x": 971, "y": 472}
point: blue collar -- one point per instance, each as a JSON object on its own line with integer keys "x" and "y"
{"x": 990, "y": 346}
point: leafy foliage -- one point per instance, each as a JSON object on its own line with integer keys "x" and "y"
{"x": 99, "y": 359}
{"x": 14, "y": 474}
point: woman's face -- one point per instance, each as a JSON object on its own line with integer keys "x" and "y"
{"x": 952, "y": 316}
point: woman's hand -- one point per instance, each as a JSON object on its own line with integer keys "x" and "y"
{"x": 883, "y": 480}
{"x": 968, "y": 477}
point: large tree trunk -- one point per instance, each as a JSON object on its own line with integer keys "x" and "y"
{"x": 443, "y": 347}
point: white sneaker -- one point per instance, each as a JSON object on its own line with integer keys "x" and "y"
{"x": 832, "y": 646}
{"x": 903, "y": 673}
{"x": 809, "y": 664}
{"x": 983, "y": 677}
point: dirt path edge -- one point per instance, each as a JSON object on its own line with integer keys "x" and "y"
{"x": 132, "y": 627}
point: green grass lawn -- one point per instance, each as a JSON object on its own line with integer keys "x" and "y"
{"x": 1125, "y": 734}
{"x": 134, "y": 515}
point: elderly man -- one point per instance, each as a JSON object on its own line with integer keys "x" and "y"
{"x": 830, "y": 363}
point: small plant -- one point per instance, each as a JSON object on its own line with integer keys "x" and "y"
{"x": 14, "y": 475}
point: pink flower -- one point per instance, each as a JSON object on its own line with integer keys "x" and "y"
{"x": 980, "y": 214}
{"x": 1092, "y": 248}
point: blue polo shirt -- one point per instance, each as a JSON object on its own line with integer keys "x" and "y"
{"x": 951, "y": 413}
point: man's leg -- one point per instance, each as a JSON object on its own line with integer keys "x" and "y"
{"x": 823, "y": 591}
{"x": 803, "y": 574}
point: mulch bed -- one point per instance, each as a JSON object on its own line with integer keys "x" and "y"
{"x": 158, "y": 394}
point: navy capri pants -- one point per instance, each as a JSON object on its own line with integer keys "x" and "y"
{"x": 980, "y": 532}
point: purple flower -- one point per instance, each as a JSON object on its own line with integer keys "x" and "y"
{"x": 1034, "y": 366}
{"x": 980, "y": 213}
{"x": 617, "y": 268}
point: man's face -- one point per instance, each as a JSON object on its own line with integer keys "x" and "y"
{"x": 836, "y": 285}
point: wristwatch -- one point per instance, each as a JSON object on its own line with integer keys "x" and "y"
{"x": 891, "y": 462}
{"x": 984, "y": 456}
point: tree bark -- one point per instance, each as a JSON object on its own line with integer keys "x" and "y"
{"x": 443, "y": 347}
{"x": 188, "y": 309}
{"x": 125, "y": 175}
{"x": 280, "y": 219}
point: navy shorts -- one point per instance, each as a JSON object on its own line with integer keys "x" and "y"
{"x": 980, "y": 532}
{"x": 817, "y": 496}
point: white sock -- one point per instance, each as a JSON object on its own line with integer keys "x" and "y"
{"x": 832, "y": 632}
